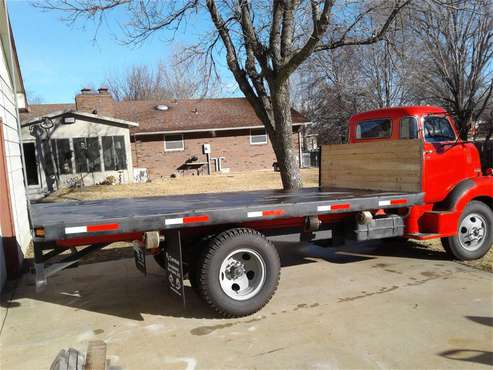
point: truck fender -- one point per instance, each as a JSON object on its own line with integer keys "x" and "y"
{"x": 466, "y": 191}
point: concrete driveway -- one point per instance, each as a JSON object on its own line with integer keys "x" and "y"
{"x": 362, "y": 307}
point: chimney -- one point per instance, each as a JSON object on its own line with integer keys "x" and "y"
{"x": 96, "y": 102}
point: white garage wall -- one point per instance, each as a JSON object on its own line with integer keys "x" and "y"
{"x": 8, "y": 115}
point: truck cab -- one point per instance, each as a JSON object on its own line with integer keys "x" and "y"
{"x": 447, "y": 160}
{"x": 452, "y": 179}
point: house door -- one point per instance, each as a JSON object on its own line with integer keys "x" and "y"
{"x": 31, "y": 164}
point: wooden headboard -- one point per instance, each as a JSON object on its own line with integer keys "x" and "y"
{"x": 392, "y": 165}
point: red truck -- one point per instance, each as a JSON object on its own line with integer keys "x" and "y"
{"x": 405, "y": 173}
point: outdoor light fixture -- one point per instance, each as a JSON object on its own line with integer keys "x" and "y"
{"x": 68, "y": 120}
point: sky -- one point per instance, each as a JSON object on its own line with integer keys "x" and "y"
{"x": 57, "y": 59}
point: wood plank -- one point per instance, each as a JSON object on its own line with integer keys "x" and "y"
{"x": 393, "y": 165}
{"x": 96, "y": 355}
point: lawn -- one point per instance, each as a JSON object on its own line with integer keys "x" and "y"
{"x": 254, "y": 180}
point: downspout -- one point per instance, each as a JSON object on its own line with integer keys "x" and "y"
{"x": 300, "y": 148}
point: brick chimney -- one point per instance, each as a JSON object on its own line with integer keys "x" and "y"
{"x": 96, "y": 102}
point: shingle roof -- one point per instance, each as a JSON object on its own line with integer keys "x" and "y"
{"x": 38, "y": 110}
{"x": 181, "y": 115}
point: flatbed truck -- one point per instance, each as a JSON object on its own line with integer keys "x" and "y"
{"x": 404, "y": 173}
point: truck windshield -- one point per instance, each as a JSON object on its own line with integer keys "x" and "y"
{"x": 438, "y": 129}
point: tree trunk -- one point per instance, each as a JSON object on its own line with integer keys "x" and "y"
{"x": 282, "y": 139}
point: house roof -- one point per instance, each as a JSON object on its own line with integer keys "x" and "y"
{"x": 76, "y": 113}
{"x": 181, "y": 115}
{"x": 192, "y": 115}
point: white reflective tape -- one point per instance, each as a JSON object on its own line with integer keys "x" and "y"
{"x": 384, "y": 203}
{"x": 255, "y": 214}
{"x": 323, "y": 208}
{"x": 76, "y": 230}
{"x": 173, "y": 221}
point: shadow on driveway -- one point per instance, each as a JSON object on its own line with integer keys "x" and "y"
{"x": 117, "y": 288}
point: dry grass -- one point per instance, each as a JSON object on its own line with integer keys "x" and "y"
{"x": 256, "y": 180}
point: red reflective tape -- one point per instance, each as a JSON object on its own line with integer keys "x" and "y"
{"x": 102, "y": 227}
{"x": 335, "y": 207}
{"x": 273, "y": 212}
{"x": 191, "y": 219}
{"x": 398, "y": 201}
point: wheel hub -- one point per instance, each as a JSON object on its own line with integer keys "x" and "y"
{"x": 242, "y": 274}
{"x": 235, "y": 269}
{"x": 471, "y": 231}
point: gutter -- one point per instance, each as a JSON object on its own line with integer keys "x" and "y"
{"x": 304, "y": 124}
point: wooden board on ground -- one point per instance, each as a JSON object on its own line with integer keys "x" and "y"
{"x": 393, "y": 165}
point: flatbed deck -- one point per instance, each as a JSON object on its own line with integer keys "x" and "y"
{"x": 68, "y": 220}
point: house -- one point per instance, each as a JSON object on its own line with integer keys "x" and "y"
{"x": 76, "y": 145}
{"x": 15, "y": 235}
{"x": 169, "y": 137}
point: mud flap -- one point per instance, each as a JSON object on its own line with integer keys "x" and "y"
{"x": 174, "y": 264}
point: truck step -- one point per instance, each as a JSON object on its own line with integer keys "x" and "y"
{"x": 423, "y": 236}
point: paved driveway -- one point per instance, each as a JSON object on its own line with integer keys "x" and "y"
{"x": 363, "y": 307}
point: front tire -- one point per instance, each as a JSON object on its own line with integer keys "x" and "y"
{"x": 474, "y": 235}
{"x": 239, "y": 272}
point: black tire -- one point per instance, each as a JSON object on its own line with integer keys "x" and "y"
{"x": 222, "y": 246}
{"x": 453, "y": 245}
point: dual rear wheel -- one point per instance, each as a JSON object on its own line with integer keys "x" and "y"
{"x": 237, "y": 273}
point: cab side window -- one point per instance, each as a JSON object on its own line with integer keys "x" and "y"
{"x": 373, "y": 129}
{"x": 409, "y": 128}
{"x": 437, "y": 129}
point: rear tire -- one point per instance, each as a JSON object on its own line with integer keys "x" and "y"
{"x": 238, "y": 272}
{"x": 474, "y": 235}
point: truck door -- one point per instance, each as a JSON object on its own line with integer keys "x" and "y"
{"x": 444, "y": 158}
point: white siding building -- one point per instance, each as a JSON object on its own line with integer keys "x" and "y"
{"x": 72, "y": 148}
{"x": 15, "y": 235}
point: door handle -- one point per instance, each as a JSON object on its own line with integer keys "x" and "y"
{"x": 428, "y": 151}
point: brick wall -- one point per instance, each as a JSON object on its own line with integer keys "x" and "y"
{"x": 148, "y": 152}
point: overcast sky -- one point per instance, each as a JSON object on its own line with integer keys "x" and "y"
{"x": 57, "y": 60}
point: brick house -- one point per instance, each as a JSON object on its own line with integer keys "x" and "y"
{"x": 170, "y": 135}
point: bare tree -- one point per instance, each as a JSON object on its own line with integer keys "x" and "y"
{"x": 456, "y": 58}
{"x": 264, "y": 41}
{"x": 175, "y": 79}
{"x": 338, "y": 84}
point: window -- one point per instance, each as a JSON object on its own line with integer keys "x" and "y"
{"x": 374, "y": 129}
{"x": 409, "y": 128}
{"x": 87, "y": 154}
{"x": 258, "y": 136}
{"x": 438, "y": 129}
{"x": 114, "y": 153}
{"x": 63, "y": 155}
{"x": 173, "y": 143}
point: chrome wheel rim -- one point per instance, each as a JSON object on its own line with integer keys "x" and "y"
{"x": 242, "y": 274}
{"x": 472, "y": 232}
